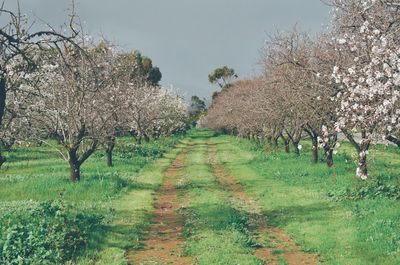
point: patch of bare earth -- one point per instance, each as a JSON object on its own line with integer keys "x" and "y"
{"x": 279, "y": 243}
{"x": 164, "y": 240}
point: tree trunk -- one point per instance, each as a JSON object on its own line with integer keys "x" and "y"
{"x": 286, "y": 143}
{"x": 109, "y": 158}
{"x": 275, "y": 142}
{"x": 294, "y": 137}
{"x": 393, "y": 140}
{"x": 75, "y": 172}
{"x": 315, "y": 152}
{"x": 296, "y": 148}
{"x": 74, "y": 166}
{"x": 2, "y": 160}
{"x": 109, "y": 150}
{"x": 329, "y": 155}
{"x": 2, "y": 109}
{"x": 362, "y": 169}
{"x": 2, "y": 98}
{"x": 287, "y": 146}
{"x": 314, "y": 141}
{"x": 362, "y": 149}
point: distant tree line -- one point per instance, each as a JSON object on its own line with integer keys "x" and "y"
{"x": 343, "y": 81}
{"x": 78, "y": 92}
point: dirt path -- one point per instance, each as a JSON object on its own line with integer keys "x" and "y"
{"x": 164, "y": 240}
{"x": 280, "y": 245}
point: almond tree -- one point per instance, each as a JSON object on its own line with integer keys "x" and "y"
{"x": 237, "y": 110}
{"x": 73, "y": 104}
{"x": 18, "y": 46}
{"x": 293, "y": 95}
{"x": 153, "y": 111}
{"x": 344, "y": 81}
{"x": 370, "y": 96}
{"x": 286, "y": 64}
{"x": 173, "y": 112}
{"x": 16, "y": 121}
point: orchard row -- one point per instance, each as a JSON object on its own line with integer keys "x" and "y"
{"x": 345, "y": 81}
{"x": 65, "y": 89}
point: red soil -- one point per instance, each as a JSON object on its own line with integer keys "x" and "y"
{"x": 282, "y": 244}
{"x": 164, "y": 241}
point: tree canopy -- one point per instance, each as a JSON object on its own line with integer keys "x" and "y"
{"x": 222, "y": 76}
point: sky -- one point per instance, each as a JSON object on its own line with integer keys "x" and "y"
{"x": 188, "y": 39}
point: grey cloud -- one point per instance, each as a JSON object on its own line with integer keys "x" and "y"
{"x": 187, "y": 39}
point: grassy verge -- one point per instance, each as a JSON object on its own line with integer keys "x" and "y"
{"x": 121, "y": 196}
{"x": 130, "y": 215}
{"x": 216, "y": 232}
{"x": 311, "y": 202}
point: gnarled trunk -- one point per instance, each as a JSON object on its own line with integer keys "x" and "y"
{"x": 2, "y": 159}
{"x": 75, "y": 161}
{"x": 328, "y": 155}
{"x": 314, "y": 144}
{"x": 315, "y": 152}
{"x": 75, "y": 172}
{"x": 394, "y": 140}
{"x": 74, "y": 166}
{"x": 286, "y": 142}
{"x": 296, "y": 148}
{"x": 109, "y": 158}
{"x": 275, "y": 142}
{"x": 2, "y": 97}
{"x": 2, "y": 110}
{"x": 362, "y": 169}
{"x": 109, "y": 150}
{"x": 362, "y": 149}
{"x": 294, "y": 137}
{"x": 287, "y": 146}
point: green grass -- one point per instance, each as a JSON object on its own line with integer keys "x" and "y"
{"x": 216, "y": 232}
{"x": 294, "y": 196}
{"x": 310, "y": 202}
{"x": 130, "y": 216}
{"x": 123, "y": 194}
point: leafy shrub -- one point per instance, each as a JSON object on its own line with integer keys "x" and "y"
{"x": 45, "y": 233}
{"x": 151, "y": 150}
{"x": 375, "y": 189}
{"x": 154, "y": 151}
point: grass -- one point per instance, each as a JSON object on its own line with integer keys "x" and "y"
{"x": 310, "y": 202}
{"x": 294, "y": 196}
{"x": 216, "y": 232}
{"x": 130, "y": 216}
{"x": 123, "y": 194}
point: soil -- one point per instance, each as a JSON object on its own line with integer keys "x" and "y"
{"x": 280, "y": 244}
{"x": 164, "y": 240}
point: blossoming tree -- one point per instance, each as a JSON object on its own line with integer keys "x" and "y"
{"x": 18, "y": 55}
{"x": 370, "y": 83}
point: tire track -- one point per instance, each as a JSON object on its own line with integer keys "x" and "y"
{"x": 164, "y": 240}
{"x": 281, "y": 245}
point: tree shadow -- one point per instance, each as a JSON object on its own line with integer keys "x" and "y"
{"x": 286, "y": 215}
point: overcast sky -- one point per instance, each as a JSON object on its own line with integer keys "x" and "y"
{"x": 187, "y": 39}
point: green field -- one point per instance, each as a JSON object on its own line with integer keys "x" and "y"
{"x": 121, "y": 197}
{"x": 310, "y": 202}
{"x": 328, "y": 212}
